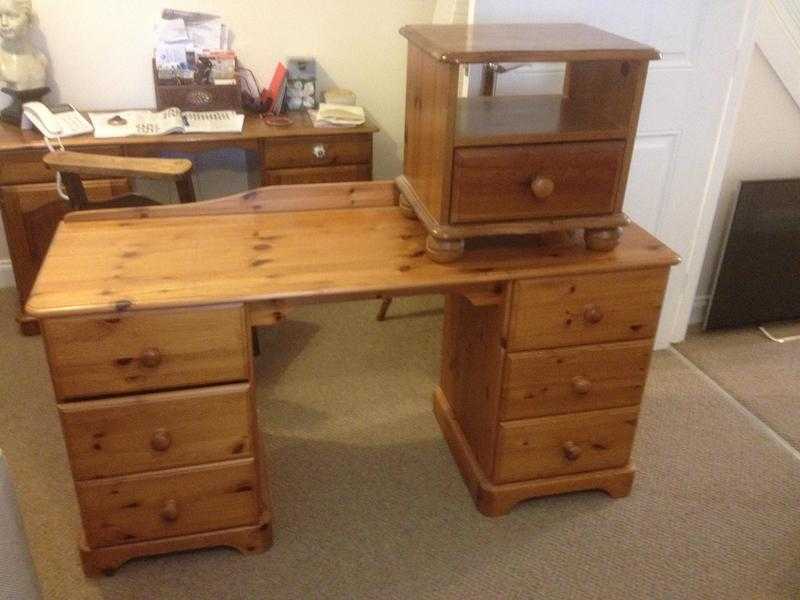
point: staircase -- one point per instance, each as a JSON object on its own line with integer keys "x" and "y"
{"x": 778, "y": 36}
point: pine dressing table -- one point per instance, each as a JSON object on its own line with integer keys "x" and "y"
{"x": 146, "y": 316}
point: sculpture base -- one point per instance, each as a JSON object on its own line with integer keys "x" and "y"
{"x": 13, "y": 113}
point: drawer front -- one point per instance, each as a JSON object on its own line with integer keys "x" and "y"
{"x": 27, "y": 166}
{"x": 169, "y": 503}
{"x": 585, "y": 309}
{"x": 575, "y": 379}
{"x": 527, "y": 182}
{"x": 149, "y": 350}
{"x": 324, "y": 151}
{"x": 565, "y": 444}
{"x": 318, "y": 175}
{"x": 129, "y": 435}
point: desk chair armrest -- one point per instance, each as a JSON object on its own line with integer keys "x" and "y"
{"x": 171, "y": 169}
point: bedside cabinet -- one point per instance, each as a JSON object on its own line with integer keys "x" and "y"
{"x": 499, "y": 165}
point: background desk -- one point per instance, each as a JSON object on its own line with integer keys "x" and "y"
{"x": 31, "y": 208}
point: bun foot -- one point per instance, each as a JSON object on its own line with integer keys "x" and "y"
{"x": 406, "y": 209}
{"x": 602, "y": 240}
{"x": 444, "y": 251}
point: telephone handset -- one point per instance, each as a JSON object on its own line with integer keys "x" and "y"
{"x": 59, "y": 121}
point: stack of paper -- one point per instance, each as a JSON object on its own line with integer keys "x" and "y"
{"x": 337, "y": 115}
{"x": 182, "y": 36}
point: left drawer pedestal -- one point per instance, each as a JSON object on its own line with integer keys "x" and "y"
{"x": 175, "y": 464}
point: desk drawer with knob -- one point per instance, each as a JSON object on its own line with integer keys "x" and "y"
{"x": 564, "y": 444}
{"x": 322, "y": 151}
{"x": 500, "y": 183}
{"x": 574, "y": 379}
{"x": 149, "y": 350}
{"x": 175, "y": 502}
{"x": 572, "y": 310}
{"x": 122, "y": 436}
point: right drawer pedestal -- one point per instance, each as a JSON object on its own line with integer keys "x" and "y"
{"x": 551, "y": 381}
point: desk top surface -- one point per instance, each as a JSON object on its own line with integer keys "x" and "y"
{"x": 524, "y": 42}
{"x": 244, "y": 255}
{"x": 13, "y": 138}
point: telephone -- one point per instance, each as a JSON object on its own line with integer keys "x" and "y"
{"x": 59, "y": 121}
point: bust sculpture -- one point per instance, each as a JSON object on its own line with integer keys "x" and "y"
{"x": 22, "y": 66}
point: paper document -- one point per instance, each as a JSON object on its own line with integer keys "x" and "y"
{"x": 337, "y": 115}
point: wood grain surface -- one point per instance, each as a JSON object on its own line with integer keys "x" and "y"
{"x": 136, "y": 263}
{"x": 523, "y": 42}
{"x": 123, "y": 436}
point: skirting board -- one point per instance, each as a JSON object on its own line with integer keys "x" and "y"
{"x": 6, "y": 274}
{"x": 699, "y": 309}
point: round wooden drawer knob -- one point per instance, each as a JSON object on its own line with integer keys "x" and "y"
{"x": 150, "y": 358}
{"x": 581, "y": 385}
{"x": 542, "y": 187}
{"x": 161, "y": 440}
{"x": 572, "y": 451}
{"x": 169, "y": 512}
{"x": 592, "y": 314}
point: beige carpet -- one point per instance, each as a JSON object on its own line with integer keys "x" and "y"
{"x": 368, "y": 503}
{"x": 761, "y": 374}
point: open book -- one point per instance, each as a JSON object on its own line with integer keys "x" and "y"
{"x": 172, "y": 120}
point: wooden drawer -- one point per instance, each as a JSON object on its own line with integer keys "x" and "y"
{"x": 149, "y": 350}
{"x": 318, "y": 175}
{"x": 576, "y": 379}
{"x": 564, "y": 444}
{"x": 158, "y": 431}
{"x": 502, "y": 183}
{"x": 27, "y": 166}
{"x": 585, "y": 309}
{"x": 323, "y": 151}
{"x": 169, "y": 503}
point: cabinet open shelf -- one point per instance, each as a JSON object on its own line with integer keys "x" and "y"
{"x": 495, "y": 120}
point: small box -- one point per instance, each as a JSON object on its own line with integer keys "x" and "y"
{"x": 340, "y": 96}
{"x": 195, "y": 97}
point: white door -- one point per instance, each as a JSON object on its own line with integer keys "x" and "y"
{"x": 687, "y": 113}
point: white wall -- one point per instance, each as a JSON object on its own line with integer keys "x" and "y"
{"x": 766, "y": 145}
{"x": 100, "y": 53}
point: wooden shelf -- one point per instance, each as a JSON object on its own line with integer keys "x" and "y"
{"x": 494, "y": 120}
{"x": 523, "y": 42}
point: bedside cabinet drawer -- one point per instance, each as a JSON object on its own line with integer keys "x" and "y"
{"x": 148, "y": 350}
{"x": 501, "y": 183}
{"x": 122, "y": 436}
{"x": 585, "y": 309}
{"x": 576, "y": 379}
{"x": 564, "y": 444}
{"x": 323, "y": 151}
{"x": 169, "y": 503}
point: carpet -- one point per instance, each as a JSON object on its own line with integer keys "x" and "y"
{"x": 369, "y": 504}
{"x": 761, "y": 374}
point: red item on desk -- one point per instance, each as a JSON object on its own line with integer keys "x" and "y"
{"x": 274, "y": 93}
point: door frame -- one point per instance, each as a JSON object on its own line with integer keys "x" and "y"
{"x": 676, "y": 332}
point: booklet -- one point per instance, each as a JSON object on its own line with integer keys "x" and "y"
{"x": 172, "y": 120}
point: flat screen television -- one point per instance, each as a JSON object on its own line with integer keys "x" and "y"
{"x": 758, "y": 278}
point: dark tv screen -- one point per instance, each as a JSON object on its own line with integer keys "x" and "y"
{"x": 758, "y": 279}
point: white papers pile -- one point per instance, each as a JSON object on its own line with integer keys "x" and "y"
{"x": 337, "y": 115}
{"x": 181, "y": 36}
